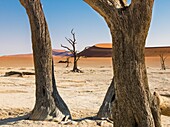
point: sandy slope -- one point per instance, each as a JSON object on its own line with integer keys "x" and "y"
{"x": 83, "y": 92}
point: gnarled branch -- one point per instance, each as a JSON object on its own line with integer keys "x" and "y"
{"x": 103, "y": 7}
{"x": 69, "y": 40}
{"x": 67, "y": 48}
{"x": 142, "y": 6}
{"x": 74, "y": 37}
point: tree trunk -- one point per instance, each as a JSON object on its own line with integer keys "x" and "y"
{"x": 68, "y": 62}
{"x": 75, "y": 69}
{"x": 162, "y": 60}
{"x": 163, "y": 66}
{"x": 165, "y": 104}
{"x": 49, "y": 105}
{"x": 105, "y": 110}
{"x": 133, "y": 104}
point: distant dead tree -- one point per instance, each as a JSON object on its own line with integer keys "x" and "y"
{"x": 73, "y": 50}
{"x": 68, "y": 62}
{"x": 18, "y": 74}
{"x": 162, "y": 61}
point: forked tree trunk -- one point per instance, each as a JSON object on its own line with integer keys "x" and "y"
{"x": 105, "y": 110}
{"x": 132, "y": 104}
{"x": 162, "y": 61}
{"x": 49, "y": 105}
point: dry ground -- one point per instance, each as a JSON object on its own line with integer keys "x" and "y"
{"x": 83, "y": 92}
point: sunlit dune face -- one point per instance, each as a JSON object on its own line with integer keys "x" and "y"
{"x": 27, "y": 55}
{"x": 57, "y": 50}
{"x": 104, "y": 45}
{"x": 16, "y": 61}
{"x": 19, "y": 55}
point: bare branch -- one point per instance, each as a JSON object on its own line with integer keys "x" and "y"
{"x": 74, "y": 37}
{"x": 103, "y": 7}
{"x": 69, "y": 40}
{"x": 161, "y": 55}
{"x": 72, "y": 32}
{"x": 67, "y": 48}
{"x": 165, "y": 58}
{"x": 24, "y": 3}
{"x": 162, "y": 60}
{"x": 74, "y": 40}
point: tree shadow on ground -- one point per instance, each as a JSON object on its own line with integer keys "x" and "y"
{"x": 8, "y": 121}
{"x": 87, "y": 121}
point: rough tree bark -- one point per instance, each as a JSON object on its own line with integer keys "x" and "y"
{"x": 165, "y": 104}
{"x": 105, "y": 110}
{"x": 132, "y": 104}
{"x": 49, "y": 105}
{"x": 73, "y": 51}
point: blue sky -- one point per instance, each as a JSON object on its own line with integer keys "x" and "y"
{"x": 62, "y": 16}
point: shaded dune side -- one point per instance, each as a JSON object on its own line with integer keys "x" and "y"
{"x": 96, "y": 52}
{"x": 105, "y": 50}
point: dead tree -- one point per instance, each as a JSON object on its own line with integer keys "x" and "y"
{"x": 19, "y": 74}
{"x": 68, "y": 62}
{"x": 73, "y": 51}
{"x": 49, "y": 105}
{"x": 162, "y": 61}
{"x": 128, "y": 101}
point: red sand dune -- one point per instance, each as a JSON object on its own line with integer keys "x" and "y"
{"x": 156, "y": 51}
{"x": 104, "y": 45}
{"x": 56, "y": 52}
{"x": 105, "y": 50}
{"x": 99, "y": 53}
{"x": 99, "y": 50}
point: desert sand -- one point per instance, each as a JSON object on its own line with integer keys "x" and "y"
{"x": 82, "y": 92}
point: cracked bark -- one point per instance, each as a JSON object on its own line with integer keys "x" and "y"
{"x": 133, "y": 104}
{"x": 49, "y": 105}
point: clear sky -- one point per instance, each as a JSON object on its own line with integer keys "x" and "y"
{"x": 62, "y": 16}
